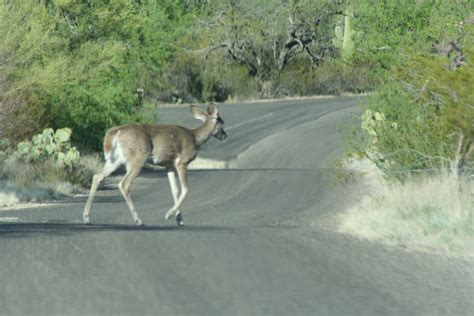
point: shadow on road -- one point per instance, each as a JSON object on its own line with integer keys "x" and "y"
{"x": 18, "y": 230}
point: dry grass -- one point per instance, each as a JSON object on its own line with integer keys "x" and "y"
{"x": 8, "y": 198}
{"x": 22, "y": 182}
{"x": 428, "y": 213}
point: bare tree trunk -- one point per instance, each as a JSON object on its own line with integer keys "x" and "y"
{"x": 467, "y": 155}
{"x": 456, "y": 162}
{"x": 267, "y": 88}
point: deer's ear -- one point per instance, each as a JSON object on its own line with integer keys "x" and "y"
{"x": 212, "y": 110}
{"x": 198, "y": 113}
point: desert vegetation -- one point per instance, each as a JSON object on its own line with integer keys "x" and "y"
{"x": 89, "y": 65}
{"x": 417, "y": 128}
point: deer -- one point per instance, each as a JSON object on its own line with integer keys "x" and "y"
{"x": 170, "y": 146}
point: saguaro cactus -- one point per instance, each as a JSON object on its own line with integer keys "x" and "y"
{"x": 344, "y": 38}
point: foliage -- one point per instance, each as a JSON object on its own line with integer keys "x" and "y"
{"x": 414, "y": 121}
{"x": 386, "y": 30}
{"x": 401, "y": 136}
{"x": 79, "y": 63}
{"x": 264, "y": 39}
{"x": 449, "y": 93}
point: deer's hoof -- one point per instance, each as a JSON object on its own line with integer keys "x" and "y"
{"x": 139, "y": 222}
{"x": 169, "y": 214}
{"x": 86, "y": 219}
{"x": 179, "y": 220}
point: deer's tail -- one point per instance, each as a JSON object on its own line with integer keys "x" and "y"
{"x": 110, "y": 143}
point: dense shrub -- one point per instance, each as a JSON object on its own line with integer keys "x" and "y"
{"x": 420, "y": 116}
{"x": 400, "y": 135}
{"x": 79, "y": 64}
{"x": 386, "y": 30}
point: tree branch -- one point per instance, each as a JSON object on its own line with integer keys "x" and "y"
{"x": 206, "y": 50}
{"x": 299, "y": 36}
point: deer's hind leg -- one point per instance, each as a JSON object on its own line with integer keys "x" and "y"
{"x": 109, "y": 167}
{"x": 133, "y": 169}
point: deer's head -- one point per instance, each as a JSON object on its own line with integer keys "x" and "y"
{"x": 211, "y": 115}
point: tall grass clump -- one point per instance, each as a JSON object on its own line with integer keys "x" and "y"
{"x": 431, "y": 212}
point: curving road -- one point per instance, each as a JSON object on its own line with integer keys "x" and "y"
{"x": 260, "y": 237}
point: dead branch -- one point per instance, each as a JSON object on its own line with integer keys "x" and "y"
{"x": 467, "y": 156}
{"x": 205, "y": 51}
{"x": 456, "y": 162}
{"x": 422, "y": 91}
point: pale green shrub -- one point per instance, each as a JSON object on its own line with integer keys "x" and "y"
{"x": 49, "y": 145}
{"x": 49, "y": 162}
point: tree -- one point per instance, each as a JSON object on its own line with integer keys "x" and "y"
{"x": 264, "y": 39}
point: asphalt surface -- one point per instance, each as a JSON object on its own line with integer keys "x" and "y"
{"x": 260, "y": 237}
{"x": 250, "y": 122}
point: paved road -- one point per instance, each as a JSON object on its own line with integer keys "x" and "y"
{"x": 259, "y": 238}
{"x": 248, "y": 123}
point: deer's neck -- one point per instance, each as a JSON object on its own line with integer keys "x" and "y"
{"x": 204, "y": 132}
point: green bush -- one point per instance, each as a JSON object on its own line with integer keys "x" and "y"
{"x": 79, "y": 64}
{"x": 423, "y": 102}
{"x": 415, "y": 120}
{"x": 402, "y": 136}
{"x": 386, "y": 30}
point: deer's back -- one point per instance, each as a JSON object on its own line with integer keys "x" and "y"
{"x": 166, "y": 144}
{"x": 127, "y": 142}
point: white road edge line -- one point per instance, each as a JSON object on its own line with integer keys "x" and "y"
{"x": 205, "y": 163}
{"x": 9, "y": 219}
{"x": 227, "y": 128}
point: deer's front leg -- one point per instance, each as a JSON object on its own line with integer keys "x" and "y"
{"x": 182, "y": 174}
{"x": 175, "y": 193}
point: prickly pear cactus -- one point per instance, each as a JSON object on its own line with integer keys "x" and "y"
{"x": 49, "y": 145}
{"x": 68, "y": 158}
{"x": 62, "y": 135}
{"x": 372, "y": 122}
